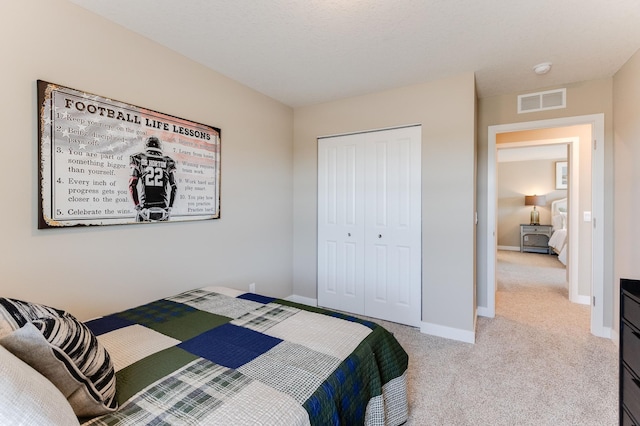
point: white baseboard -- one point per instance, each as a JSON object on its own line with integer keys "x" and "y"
{"x": 606, "y": 332}
{"x": 483, "y": 311}
{"x": 448, "y": 332}
{"x": 582, "y": 300}
{"x": 302, "y": 300}
{"x": 615, "y": 337}
{"x": 509, "y": 248}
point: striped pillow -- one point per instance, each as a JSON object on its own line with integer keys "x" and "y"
{"x": 65, "y": 351}
{"x": 16, "y": 313}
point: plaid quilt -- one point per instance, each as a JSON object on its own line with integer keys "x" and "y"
{"x": 216, "y": 356}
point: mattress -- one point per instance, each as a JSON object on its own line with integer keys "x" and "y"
{"x": 217, "y": 356}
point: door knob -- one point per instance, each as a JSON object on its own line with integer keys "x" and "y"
{"x": 379, "y": 235}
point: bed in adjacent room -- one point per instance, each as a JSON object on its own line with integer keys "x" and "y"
{"x": 213, "y": 356}
{"x": 558, "y": 241}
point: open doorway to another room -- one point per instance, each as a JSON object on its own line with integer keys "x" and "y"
{"x": 532, "y": 215}
{"x": 584, "y": 259}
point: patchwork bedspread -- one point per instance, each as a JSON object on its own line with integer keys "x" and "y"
{"x": 216, "y": 356}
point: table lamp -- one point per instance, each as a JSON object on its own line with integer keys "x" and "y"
{"x": 535, "y": 200}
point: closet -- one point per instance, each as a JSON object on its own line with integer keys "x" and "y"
{"x": 369, "y": 224}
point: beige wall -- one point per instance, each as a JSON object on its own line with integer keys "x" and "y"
{"x": 446, "y": 110}
{"x": 626, "y": 105}
{"x": 583, "y": 98}
{"x": 515, "y": 179}
{"x": 92, "y": 271}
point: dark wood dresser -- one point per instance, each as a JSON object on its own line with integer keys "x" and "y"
{"x": 629, "y": 352}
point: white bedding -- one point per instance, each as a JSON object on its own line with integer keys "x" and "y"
{"x": 558, "y": 240}
{"x": 558, "y": 243}
{"x": 562, "y": 256}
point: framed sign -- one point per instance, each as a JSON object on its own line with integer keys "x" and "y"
{"x": 105, "y": 162}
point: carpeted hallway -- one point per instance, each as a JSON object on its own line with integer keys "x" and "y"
{"x": 534, "y": 364}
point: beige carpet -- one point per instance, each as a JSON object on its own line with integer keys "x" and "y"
{"x": 534, "y": 364}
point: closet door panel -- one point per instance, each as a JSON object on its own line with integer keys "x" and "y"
{"x": 340, "y": 225}
{"x": 393, "y": 205}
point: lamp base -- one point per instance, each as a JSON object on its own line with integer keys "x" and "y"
{"x": 535, "y": 217}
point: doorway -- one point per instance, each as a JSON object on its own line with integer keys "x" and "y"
{"x": 539, "y": 179}
{"x": 528, "y": 169}
{"x": 596, "y": 122}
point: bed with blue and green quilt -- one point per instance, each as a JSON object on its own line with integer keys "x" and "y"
{"x": 210, "y": 356}
{"x": 217, "y": 356}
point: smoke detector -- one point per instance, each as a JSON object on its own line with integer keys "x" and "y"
{"x": 542, "y": 68}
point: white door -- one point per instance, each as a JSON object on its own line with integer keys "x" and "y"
{"x": 393, "y": 273}
{"x": 369, "y": 224}
{"x": 341, "y": 223}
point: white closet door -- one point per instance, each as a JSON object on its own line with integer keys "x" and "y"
{"x": 369, "y": 224}
{"x": 341, "y": 223}
{"x": 393, "y": 272}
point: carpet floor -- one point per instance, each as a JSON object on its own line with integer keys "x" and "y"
{"x": 535, "y": 363}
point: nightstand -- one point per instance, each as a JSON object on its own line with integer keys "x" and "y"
{"x": 535, "y": 238}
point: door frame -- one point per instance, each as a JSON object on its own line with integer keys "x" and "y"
{"x": 597, "y": 323}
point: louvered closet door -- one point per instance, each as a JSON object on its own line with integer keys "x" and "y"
{"x": 341, "y": 223}
{"x": 369, "y": 229}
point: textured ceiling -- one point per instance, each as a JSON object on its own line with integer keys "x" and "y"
{"x": 303, "y": 52}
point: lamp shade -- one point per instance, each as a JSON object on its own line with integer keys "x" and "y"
{"x": 535, "y": 200}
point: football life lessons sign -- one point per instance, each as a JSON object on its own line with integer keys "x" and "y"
{"x": 104, "y": 162}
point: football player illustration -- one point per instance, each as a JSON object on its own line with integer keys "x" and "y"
{"x": 152, "y": 184}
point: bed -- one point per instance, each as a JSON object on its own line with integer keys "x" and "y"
{"x": 213, "y": 356}
{"x": 558, "y": 240}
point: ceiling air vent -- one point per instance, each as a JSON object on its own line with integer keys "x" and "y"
{"x": 541, "y": 101}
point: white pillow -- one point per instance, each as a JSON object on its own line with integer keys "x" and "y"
{"x": 28, "y": 398}
{"x": 564, "y": 219}
{"x": 556, "y": 222}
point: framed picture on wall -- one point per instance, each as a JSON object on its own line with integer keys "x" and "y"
{"x": 561, "y": 175}
{"x": 106, "y": 162}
